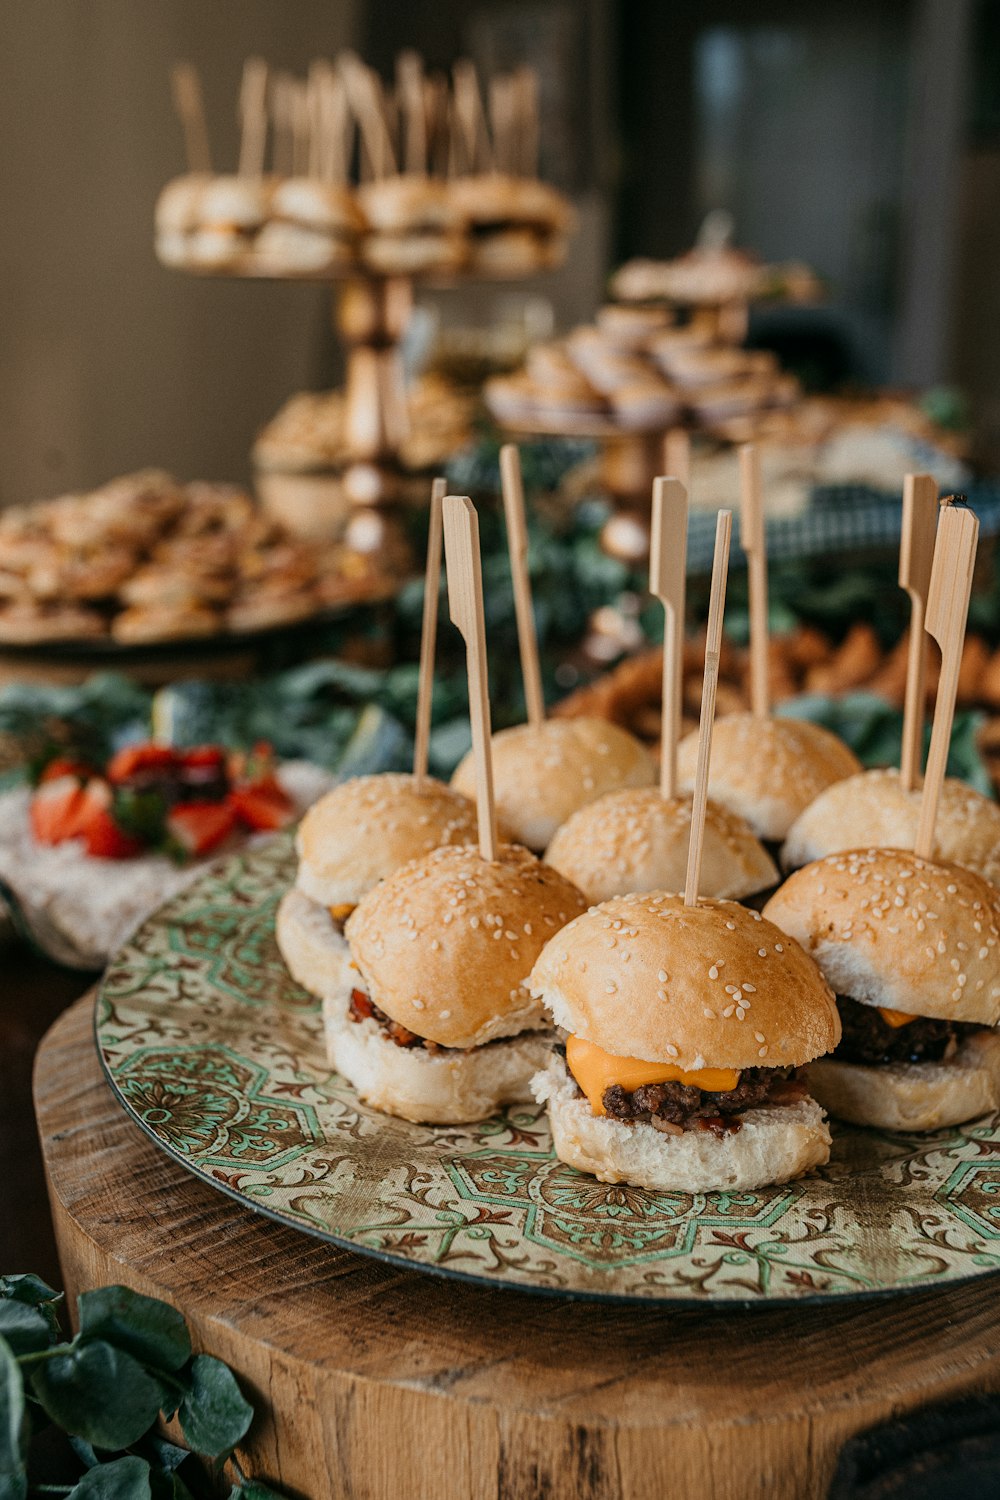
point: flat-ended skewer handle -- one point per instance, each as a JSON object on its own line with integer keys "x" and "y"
{"x": 512, "y": 488}
{"x": 947, "y": 612}
{"x": 752, "y": 540}
{"x": 713, "y": 649}
{"x": 428, "y": 634}
{"x": 667, "y": 576}
{"x": 465, "y": 604}
{"x": 916, "y": 557}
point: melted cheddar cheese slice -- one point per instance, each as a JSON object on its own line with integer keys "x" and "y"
{"x": 342, "y": 912}
{"x": 596, "y": 1070}
{"x": 895, "y": 1017}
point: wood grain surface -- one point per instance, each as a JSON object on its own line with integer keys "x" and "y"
{"x": 377, "y": 1384}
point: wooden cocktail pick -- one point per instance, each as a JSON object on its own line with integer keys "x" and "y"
{"x": 186, "y": 86}
{"x": 471, "y": 116}
{"x": 465, "y": 605}
{"x": 413, "y": 110}
{"x": 428, "y": 635}
{"x": 677, "y": 456}
{"x": 753, "y": 544}
{"x": 253, "y": 117}
{"x": 512, "y": 487}
{"x": 947, "y": 613}
{"x": 713, "y": 647}
{"x": 667, "y": 576}
{"x": 916, "y": 556}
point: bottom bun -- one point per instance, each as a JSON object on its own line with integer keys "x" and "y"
{"x": 914, "y": 1096}
{"x": 774, "y": 1144}
{"x": 431, "y": 1088}
{"x": 315, "y": 951}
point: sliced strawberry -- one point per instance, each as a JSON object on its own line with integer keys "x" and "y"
{"x": 105, "y": 840}
{"x": 53, "y": 809}
{"x": 64, "y": 765}
{"x": 202, "y": 757}
{"x": 199, "y": 827}
{"x": 95, "y": 798}
{"x": 135, "y": 758}
{"x": 262, "y": 806}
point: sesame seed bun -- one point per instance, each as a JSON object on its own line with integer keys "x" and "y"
{"x": 889, "y": 929}
{"x": 446, "y": 944}
{"x": 768, "y": 770}
{"x": 364, "y": 829}
{"x": 914, "y": 1096}
{"x": 875, "y": 808}
{"x": 179, "y": 204}
{"x": 495, "y": 198}
{"x": 236, "y": 202}
{"x": 773, "y": 1144}
{"x": 543, "y": 773}
{"x": 636, "y": 840}
{"x": 408, "y": 203}
{"x": 706, "y": 986}
{"x": 318, "y": 205}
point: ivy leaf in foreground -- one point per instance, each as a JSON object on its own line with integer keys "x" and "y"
{"x": 33, "y": 1292}
{"x": 151, "y": 1331}
{"x": 25, "y": 1328}
{"x": 213, "y": 1413}
{"x": 99, "y": 1393}
{"x": 13, "y": 1478}
{"x": 122, "y": 1479}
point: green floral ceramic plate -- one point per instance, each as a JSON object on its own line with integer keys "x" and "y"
{"x": 219, "y": 1056}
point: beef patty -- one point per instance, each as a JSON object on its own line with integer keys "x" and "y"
{"x": 675, "y": 1107}
{"x": 869, "y": 1039}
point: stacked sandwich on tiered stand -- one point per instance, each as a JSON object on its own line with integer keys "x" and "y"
{"x": 441, "y": 194}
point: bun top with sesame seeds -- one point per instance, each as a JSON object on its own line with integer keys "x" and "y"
{"x": 446, "y": 944}
{"x": 874, "y": 807}
{"x": 706, "y": 986}
{"x": 542, "y": 773}
{"x": 768, "y": 770}
{"x": 637, "y": 840}
{"x": 888, "y": 929}
{"x": 367, "y": 827}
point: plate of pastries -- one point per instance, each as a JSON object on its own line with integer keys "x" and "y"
{"x": 146, "y": 560}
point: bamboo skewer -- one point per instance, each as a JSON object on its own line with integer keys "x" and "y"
{"x": 947, "y": 613}
{"x": 916, "y": 556}
{"x": 512, "y": 487}
{"x": 471, "y": 117}
{"x": 667, "y": 577}
{"x": 465, "y": 604}
{"x": 253, "y": 118}
{"x": 753, "y": 543}
{"x": 428, "y": 635}
{"x": 190, "y": 107}
{"x": 413, "y": 110}
{"x": 713, "y": 647}
{"x": 677, "y": 456}
{"x": 282, "y": 125}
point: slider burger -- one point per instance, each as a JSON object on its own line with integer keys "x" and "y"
{"x": 355, "y": 836}
{"x": 768, "y": 770}
{"x": 426, "y": 1007}
{"x": 177, "y": 216}
{"x": 314, "y": 226}
{"x": 637, "y": 840}
{"x": 231, "y": 211}
{"x": 515, "y": 225}
{"x": 414, "y": 226}
{"x": 543, "y": 773}
{"x": 687, "y": 1025}
{"x": 912, "y": 949}
{"x": 874, "y": 808}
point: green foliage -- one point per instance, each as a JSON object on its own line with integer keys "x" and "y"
{"x": 105, "y": 1389}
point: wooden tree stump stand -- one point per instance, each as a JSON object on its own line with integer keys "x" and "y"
{"x": 372, "y": 1383}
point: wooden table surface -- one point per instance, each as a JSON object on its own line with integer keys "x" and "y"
{"x": 373, "y": 1383}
